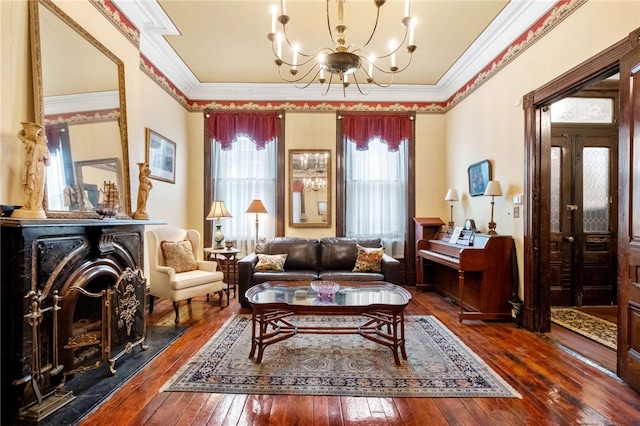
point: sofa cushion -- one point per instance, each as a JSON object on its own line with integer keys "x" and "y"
{"x": 179, "y": 255}
{"x": 341, "y": 252}
{"x": 271, "y": 262}
{"x": 368, "y": 259}
{"x": 302, "y": 253}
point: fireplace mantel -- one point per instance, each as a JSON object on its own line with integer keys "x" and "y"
{"x": 45, "y": 256}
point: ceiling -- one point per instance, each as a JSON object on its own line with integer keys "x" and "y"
{"x": 218, "y": 50}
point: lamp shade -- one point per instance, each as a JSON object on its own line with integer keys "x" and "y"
{"x": 452, "y": 195}
{"x": 256, "y": 206}
{"x": 493, "y": 188}
{"x": 218, "y": 210}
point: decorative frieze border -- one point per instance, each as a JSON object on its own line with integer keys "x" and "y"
{"x": 119, "y": 20}
{"x": 83, "y": 117}
{"x": 554, "y": 17}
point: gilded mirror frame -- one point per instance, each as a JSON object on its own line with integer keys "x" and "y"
{"x": 121, "y": 119}
{"x": 310, "y": 188}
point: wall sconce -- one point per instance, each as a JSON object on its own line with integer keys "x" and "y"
{"x": 493, "y": 189}
{"x": 256, "y": 207}
{"x": 218, "y": 211}
{"x": 452, "y": 195}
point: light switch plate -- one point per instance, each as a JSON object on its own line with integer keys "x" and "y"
{"x": 517, "y": 199}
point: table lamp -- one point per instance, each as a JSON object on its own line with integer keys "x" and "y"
{"x": 257, "y": 207}
{"x": 452, "y": 195}
{"x": 218, "y": 211}
{"x": 493, "y": 189}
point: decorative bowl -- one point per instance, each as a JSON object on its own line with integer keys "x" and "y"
{"x": 228, "y": 245}
{"x": 325, "y": 289}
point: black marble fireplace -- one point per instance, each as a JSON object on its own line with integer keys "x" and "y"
{"x": 73, "y": 298}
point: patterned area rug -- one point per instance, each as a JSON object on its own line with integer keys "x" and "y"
{"x": 438, "y": 365}
{"x": 592, "y": 327}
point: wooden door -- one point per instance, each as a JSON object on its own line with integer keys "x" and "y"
{"x": 629, "y": 217}
{"x": 583, "y": 215}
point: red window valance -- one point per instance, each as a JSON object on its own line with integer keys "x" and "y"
{"x": 54, "y": 133}
{"x": 361, "y": 129}
{"x": 261, "y": 127}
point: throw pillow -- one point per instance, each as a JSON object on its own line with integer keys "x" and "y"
{"x": 369, "y": 259}
{"x": 179, "y": 255}
{"x": 271, "y": 262}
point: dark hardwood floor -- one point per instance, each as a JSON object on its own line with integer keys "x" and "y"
{"x": 556, "y": 387}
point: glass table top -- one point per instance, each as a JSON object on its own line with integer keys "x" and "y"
{"x": 349, "y": 294}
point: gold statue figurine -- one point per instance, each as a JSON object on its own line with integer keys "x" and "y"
{"x": 144, "y": 188}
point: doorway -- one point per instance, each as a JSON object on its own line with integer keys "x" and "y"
{"x": 583, "y": 197}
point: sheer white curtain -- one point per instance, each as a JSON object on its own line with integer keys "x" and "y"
{"x": 376, "y": 194}
{"x": 240, "y": 175}
{"x": 56, "y": 183}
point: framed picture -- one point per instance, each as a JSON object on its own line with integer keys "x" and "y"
{"x": 479, "y": 177}
{"x": 161, "y": 157}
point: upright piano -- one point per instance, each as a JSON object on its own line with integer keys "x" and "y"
{"x": 472, "y": 269}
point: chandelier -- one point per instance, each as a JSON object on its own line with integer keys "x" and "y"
{"x": 342, "y": 60}
{"x": 315, "y": 184}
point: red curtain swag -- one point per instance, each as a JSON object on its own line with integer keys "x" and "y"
{"x": 361, "y": 129}
{"x": 224, "y": 127}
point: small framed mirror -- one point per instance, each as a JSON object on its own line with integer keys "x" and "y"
{"x": 310, "y": 188}
{"x": 92, "y": 193}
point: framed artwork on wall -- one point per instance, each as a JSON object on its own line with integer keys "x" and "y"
{"x": 161, "y": 157}
{"x": 479, "y": 177}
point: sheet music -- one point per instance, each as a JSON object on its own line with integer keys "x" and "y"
{"x": 455, "y": 235}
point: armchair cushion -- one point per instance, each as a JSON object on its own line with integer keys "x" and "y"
{"x": 369, "y": 259}
{"x": 271, "y": 262}
{"x": 179, "y": 255}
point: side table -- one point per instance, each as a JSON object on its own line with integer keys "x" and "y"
{"x": 230, "y": 256}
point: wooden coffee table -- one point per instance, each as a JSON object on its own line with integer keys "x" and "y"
{"x": 380, "y": 303}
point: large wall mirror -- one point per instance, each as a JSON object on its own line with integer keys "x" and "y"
{"x": 310, "y": 188}
{"x": 80, "y": 99}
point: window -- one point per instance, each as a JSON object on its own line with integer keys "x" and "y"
{"x": 244, "y": 166}
{"x": 376, "y": 176}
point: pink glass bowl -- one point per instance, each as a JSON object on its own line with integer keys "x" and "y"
{"x": 325, "y": 289}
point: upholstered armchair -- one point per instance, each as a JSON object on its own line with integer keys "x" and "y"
{"x": 174, "y": 271}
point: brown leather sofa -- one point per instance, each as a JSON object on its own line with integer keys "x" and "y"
{"x": 331, "y": 259}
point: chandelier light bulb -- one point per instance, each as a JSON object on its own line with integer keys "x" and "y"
{"x": 274, "y": 13}
{"x": 412, "y": 28}
{"x": 406, "y": 7}
{"x": 295, "y": 57}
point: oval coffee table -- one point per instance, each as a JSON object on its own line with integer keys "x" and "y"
{"x": 380, "y": 303}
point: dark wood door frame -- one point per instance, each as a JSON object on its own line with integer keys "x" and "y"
{"x": 535, "y": 313}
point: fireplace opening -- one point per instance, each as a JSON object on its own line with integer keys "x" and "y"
{"x": 102, "y": 316}
{"x": 85, "y": 347}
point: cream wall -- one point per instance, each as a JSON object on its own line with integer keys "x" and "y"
{"x": 311, "y": 130}
{"x": 171, "y": 202}
{"x": 490, "y": 122}
{"x": 16, "y": 96}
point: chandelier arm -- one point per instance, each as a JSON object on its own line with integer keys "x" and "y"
{"x": 404, "y": 38}
{"x": 355, "y": 79}
{"x": 328, "y": 85}
{"x": 399, "y": 70}
{"x": 286, "y": 39}
{"x": 296, "y": 79}
{"x": 383, "y": 85}
{"x": 304, "y": 86}
{"x": 375, "y": 27}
